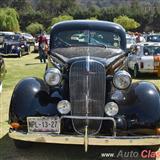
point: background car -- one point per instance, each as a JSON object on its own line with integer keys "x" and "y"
{"x": 153, "y": 38}
{"x": 2, "y": 72}
{"x": 14, "y": 45}
{"x": 131, "y": 40}
{"x": 144, "y": 58}
{"x": 29, "y": 38}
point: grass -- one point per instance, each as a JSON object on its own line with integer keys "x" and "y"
{"x": 28, "y": 66}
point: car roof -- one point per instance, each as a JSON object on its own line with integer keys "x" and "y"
{"x": 86, "y": 24}
{"x": 149, "y": 44}
{"x": 7, "y": 33}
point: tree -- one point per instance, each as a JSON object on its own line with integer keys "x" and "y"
{"x": 61, "y": 18}
{"x": 34, "y": 28}
{"x": 126, "y": 22}
{"x": 55, "y": 7}
{"x": 9, "y": 20}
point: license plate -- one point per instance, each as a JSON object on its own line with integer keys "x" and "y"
{"x": 43, "y": 124}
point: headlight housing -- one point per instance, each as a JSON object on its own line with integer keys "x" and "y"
{"x": 111, "y": 108}
{"x": 122, "y": 80}
{"x": 53, "y": 76}
{"x": 64, "y": 107}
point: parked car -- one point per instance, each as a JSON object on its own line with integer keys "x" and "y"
{"x": 86, "y": 97}
{"x": 131, "y": 40}
{"x": 144, "y": 58}
{"x": 29, "y": 38}
{"x": 153, "y": 38}
{"x": 13, "y": 45}
{"x": 2, "y": 72}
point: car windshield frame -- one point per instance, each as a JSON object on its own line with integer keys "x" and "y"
{"x": 86, "y": 37}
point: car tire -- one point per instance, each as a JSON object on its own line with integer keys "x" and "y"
{"x": 135, "y": 72}
{"x": 1, "y": 87}
{"x": 20, "y": 54}
{"x": 22, "y": 144}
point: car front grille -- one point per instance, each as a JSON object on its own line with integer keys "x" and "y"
{"x": 87, "y": 85}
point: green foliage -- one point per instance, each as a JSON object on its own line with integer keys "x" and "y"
{"x": 61, "y": 18}
{"x": 43, "y": 11}
{"x": 9, "y": 20}
{"x": 126, "y": 22}
{"x": 92, "y": 18}
{"x": 34, "y": 28}
{"x": 54, "y": 7}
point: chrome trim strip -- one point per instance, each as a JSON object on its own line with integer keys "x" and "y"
{"x": 94, "y": 118}
{"x": 92, "y": 140}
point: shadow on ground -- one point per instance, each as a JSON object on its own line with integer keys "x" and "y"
{"x": 40, "y": 151}
{"x": 148, "y": 76}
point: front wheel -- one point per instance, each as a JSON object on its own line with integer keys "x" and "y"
{"x": 135, "y": 72}
{"x": 20, "y": 54}
{"x": 22, "y": 144}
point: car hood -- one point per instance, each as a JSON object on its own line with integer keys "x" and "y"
{"x": 71, "y": 54}
{"x": 99, "y": 52}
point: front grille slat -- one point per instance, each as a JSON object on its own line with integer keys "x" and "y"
{"x": 87, "y": 85}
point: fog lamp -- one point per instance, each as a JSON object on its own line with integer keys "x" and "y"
{"x": 15, "y": 125}
{"x": 158, "y": 131}
{"x": 53, "y": 76}
{"x": 64, "y": 107}
{"x": 122, "y": 79}
{"x": 111, "y": 109}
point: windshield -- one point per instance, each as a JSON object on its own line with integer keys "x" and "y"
{"x": 76, "y": 38}
{"x": 12, "y": 37}
{"x": 151, "y": 50}
{"x": 153, "y": 38}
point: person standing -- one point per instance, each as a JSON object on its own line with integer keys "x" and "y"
{"x": 43, "y": 44}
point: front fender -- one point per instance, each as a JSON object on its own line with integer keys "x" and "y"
{"x": 31, "y": 98}
{"x": 140, "y": 105}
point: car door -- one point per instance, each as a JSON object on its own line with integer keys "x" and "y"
{"x": 148, "y": 60}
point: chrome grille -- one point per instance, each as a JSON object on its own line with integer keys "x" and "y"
{"x": 87, "y": 84}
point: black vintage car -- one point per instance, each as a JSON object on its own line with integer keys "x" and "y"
{"x": 86, "y": 97}
{"x": 13, "y": 44}
{"x": 2, "y": 72}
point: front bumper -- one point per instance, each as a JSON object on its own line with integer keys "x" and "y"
{"x": 91, "y": 140}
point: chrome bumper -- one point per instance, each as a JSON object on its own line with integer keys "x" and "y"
{"x": 91, "y": 140}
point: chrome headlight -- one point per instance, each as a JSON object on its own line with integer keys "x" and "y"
{"x": 53, "y": 76}
{"x": 122, "y": 79}
{"x": 111, "y": 109}
{"x": 64, "y": 107}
